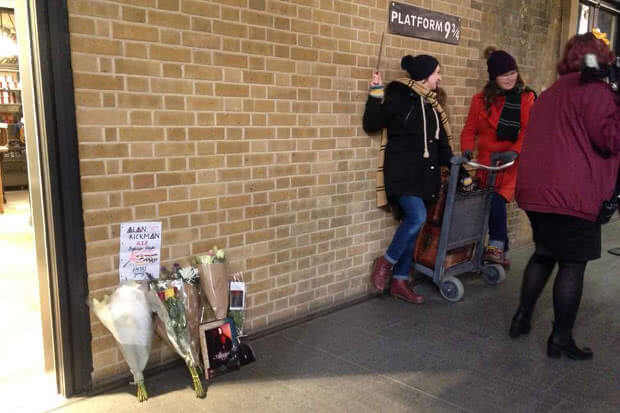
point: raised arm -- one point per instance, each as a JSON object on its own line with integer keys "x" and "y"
{"x": 374, "y": 115}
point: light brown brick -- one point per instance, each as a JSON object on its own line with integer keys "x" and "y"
{"x": 171, "y": 86}
{"x": 92, "y": 8}
{"x": 174, "y": 118}
{"x": 196, "y": 7}
{"x": 204, "y": 103}
{"x": 134, "y": 134}
{"x": 81, "y": 25}
{"x": 171, "y": 5}
{"x": 136, "y": 50}
{"x": 131, "y": 100}
{"x": 87, "y": 99}
{"x": 166, "y": 19}
{"x": 256, "y": 47}
{"x": 143, "y": 181}
{"x": 231, "y": 60}
{"x": 101, "y": 117}
{"x": 175, "y": 54}
{"x": 201, "y": 72}
{"x": 224, "y": 89}
{"x": 202, "y": 40}
{"x": 143, "y": 165}
{"x": 108, "y": 216}
{"x": 230, "y": 29}
{"x": 151, "y": 196}
{"x": 99, "y": 82}
{"x": 134, "y": 14}
{"x": 177, "y": 208}
{"x": 175, "y": 149}
{"x": 137, "y": 84}
{"x": 176, "y": 178}
{"x": 134, "y": 32}
{"x": 137, "y": 67}
{"x": 103, "y": 151}
{"x": 97, "y": 46}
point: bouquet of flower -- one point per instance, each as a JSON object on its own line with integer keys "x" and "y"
{"x": 127, "y": 315}
{"x": 193, "y": 304}
{"x": 214, "y": 256}
{"x": 168, "y": 298}
{"x": 214, "y": 280}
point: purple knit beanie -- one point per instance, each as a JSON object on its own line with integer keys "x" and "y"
{"x": 500, "y": 62}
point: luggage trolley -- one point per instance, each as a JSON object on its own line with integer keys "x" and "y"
{"x": 465, "y": 223}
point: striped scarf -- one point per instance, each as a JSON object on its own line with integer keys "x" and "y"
{"x": 509, "y": 122}
{"x": 430, "y": 97}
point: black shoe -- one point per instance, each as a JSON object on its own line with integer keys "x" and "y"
{"x": 521, "y": 323}
{"x": 555, "y": 348}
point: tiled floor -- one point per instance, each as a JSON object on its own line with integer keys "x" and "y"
{"x": 21, "y": 346}
{"x": 387, "y": 356}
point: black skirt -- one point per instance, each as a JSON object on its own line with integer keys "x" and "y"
{"x": 564, "y": 237}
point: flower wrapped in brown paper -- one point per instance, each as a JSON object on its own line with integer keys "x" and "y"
{"x": 214, "y": 281}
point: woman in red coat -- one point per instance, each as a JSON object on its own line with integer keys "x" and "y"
{"x": 496, "y": 122}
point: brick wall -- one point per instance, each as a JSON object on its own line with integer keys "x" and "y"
{"x": 237, "y": 123}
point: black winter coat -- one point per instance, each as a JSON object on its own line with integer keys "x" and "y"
{"x": 406, "y": 171}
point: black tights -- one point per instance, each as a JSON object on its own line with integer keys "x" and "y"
{"x": 567, "y": 289}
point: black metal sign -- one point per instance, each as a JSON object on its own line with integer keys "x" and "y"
{"x": 426, "y": 24}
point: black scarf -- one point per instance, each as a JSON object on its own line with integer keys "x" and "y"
{"x": 510, "y": 119}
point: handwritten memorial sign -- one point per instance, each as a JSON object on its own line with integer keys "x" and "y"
{"x": 426, "y": 24}
{"x": 140, "y": 250}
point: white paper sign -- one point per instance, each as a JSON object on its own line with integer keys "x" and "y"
{"x": 140, "y": 250}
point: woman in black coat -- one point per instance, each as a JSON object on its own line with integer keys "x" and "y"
{"x": 417, "y": 145}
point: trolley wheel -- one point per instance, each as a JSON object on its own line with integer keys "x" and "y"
{"x": 451, "y": 288}
{"x": 493, "y": 274}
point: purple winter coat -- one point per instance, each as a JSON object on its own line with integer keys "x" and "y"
{"x": 571, "y": 150}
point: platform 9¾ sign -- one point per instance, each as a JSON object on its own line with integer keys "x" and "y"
{"x": 426, "y": 24}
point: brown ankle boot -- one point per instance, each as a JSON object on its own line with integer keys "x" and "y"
{"x": 380, "y": 273}
{"x": 401, "y": 289}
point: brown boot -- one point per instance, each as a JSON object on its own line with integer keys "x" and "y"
{"x": 494, "y": 255}
{"x": 381, "y": 273}
{"x": 401, "y": 289}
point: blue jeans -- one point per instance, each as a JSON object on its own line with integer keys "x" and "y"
{"x": 400, "y": 251}
{"x": 498, "y": 227}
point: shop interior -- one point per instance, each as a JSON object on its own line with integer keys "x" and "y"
{"x": 22, "y": 355}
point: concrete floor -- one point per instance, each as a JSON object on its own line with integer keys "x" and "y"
{"x": 387, "y": 356}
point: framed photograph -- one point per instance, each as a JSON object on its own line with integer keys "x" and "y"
{"x": 218, "y": 342}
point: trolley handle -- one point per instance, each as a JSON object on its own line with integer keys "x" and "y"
{"x": 507, "y": 159}
{"x": 489, "y": 168}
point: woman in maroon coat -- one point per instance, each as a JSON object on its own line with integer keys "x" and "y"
{"x": 568, "y": 167}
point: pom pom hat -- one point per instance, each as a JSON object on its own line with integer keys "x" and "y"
{"x": 419, "y": 67}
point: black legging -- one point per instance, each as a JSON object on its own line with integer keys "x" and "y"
{"x": 567, "y": 289}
